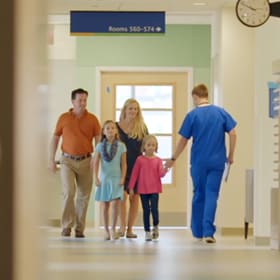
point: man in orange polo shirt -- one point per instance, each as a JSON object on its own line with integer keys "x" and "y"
{"x": 78, "y": 128}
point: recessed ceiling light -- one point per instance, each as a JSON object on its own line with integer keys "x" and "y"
{"x": 199, "y": 3}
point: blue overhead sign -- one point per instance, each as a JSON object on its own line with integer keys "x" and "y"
{"x": 116, "y": 22}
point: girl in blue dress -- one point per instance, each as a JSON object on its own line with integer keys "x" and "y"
{"x": 110, "y": 156}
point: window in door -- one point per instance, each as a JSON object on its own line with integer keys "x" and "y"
{"x": 156, "y": 102}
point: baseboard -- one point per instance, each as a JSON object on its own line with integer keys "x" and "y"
{"x": 168, "y": 219}
{"x": 233, "y": 231}
{"x": 57, "y": 223}
{"x": 53, "y": 222}
{"x": 262, "y": 240}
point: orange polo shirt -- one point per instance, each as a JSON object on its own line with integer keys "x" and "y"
{"x": 77, "y": 133}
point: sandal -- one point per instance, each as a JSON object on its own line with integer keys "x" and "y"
{"x": 115, "y": 235}
{"x": 107, "y": 236}
{"x": 121, "y": 233}
{"x": 131, "y": 235}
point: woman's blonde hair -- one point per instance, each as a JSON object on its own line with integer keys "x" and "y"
{"x": 139, "y": 129}
{"x": 146, "y": 139}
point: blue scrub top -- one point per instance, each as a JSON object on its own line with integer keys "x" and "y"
{"x": 207, "y": 125}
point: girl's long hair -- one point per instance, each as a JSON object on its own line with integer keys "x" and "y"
{"x": 117, "y": 137}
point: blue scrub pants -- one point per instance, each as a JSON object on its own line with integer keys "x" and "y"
{"x": 206, "y": 184}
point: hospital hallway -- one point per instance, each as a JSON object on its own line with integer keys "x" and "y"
{"x": 176, "y": 255}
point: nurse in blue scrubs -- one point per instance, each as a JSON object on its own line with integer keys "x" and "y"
{"x": 207, "y": 126}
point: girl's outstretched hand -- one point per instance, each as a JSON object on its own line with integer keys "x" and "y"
{"x": 169, "y": 163}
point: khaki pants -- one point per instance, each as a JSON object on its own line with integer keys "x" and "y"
{"x": 77, "y": 179}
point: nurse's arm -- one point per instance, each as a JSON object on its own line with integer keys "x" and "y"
{"x": 179, "y": 149}
{"x": 232, "y": 144}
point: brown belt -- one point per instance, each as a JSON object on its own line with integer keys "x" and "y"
{"x": 80, "y": 157}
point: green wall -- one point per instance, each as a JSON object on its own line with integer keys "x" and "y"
{"x": 181, "y": 45}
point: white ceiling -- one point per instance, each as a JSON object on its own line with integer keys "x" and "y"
{"x": 169, "y": 6}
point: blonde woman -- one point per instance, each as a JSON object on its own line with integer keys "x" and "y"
{"x": 132, "y": 130}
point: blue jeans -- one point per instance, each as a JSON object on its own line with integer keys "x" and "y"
{"x": 206, "y": 184}
{"x": 150, "y": 205}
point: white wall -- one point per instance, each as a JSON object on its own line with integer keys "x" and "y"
{"x": 267, "y": 49}
{"x": 246, "y": 66}
{"x": 63, "y": 79}
{"x": 237, "y": 90}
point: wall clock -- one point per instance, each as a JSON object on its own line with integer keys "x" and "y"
{"x": 252, "y": 13}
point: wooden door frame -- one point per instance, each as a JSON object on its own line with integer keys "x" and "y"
{"x": 102, "y": 69}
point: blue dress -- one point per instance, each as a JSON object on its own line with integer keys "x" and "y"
{"x": 110, "y": 174}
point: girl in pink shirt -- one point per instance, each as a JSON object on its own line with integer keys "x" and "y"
{"x": 147, "y": 172}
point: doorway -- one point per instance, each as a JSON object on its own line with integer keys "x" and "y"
{"x": 164, "y": 97}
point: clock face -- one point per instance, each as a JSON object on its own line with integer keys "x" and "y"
{"x": 252, "y": 13}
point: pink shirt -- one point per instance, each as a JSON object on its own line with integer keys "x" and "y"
{"x": 147, "y": 171}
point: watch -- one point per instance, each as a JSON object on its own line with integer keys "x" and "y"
{"x": 252, "y": 13}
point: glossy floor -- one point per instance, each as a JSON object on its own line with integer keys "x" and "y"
{"x": 174, "y": 256}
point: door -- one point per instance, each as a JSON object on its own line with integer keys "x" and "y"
{"x": 163, "y": 97}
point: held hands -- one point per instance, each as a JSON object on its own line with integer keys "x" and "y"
{"x": 168, "y": 163}
{"x": 165, "y": 168}
{"x": 131, "y": 193}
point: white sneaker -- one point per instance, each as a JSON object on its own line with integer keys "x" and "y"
{"x": 148, "y": 236}
{"x": 210, "y": 239}
{"x": 155, "y": 232}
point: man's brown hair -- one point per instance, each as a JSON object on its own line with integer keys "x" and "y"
{"x": 200, "y": 91}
